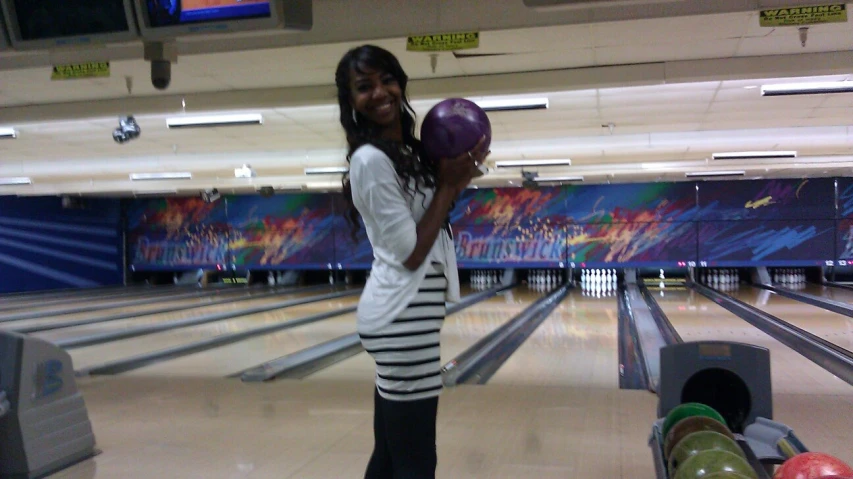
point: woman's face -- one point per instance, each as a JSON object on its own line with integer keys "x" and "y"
{"x": 377, "y": 96}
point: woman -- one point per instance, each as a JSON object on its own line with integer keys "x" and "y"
{"x": 404, "y": 201}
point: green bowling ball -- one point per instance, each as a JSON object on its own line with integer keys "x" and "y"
{"x": 725, "y": 475}
{"x": 686, "y": 410}
{"x": 698, "y": 442}
{"x": 705, "y": 463}
{"x": 688, "y": 426}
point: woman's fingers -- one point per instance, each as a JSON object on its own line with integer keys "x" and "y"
{"x": 475, "y": 153}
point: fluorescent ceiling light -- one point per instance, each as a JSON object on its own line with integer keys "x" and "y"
{"x": 533, "y": 163}
{"x": 23, "y": 180}
{"x": 161, "y": 176}
{"x": 8, "y": 133}
{"x": 817, "y": 88}
{"x": 754, "y": 155}
{"x": 326, "y": 170}
{"x": 322, "y": 186}
{"x": 558, "y": 179}
{"x": 666, "y": 165}
{"x": 699, "y": 174}
{"x": 512, "y": 104}
{"x": 215, "y": 120}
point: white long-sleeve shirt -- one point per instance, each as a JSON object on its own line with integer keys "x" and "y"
{"x": 391, "y": 216}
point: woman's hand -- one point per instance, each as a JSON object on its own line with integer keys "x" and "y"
{"x": 456, "y": 174}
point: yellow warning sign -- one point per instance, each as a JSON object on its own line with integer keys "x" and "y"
{"x": 444, "y": 42}
{"x": 796, "y": 16}
{"x": 80, "y": 70}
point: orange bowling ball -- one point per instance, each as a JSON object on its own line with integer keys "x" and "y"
{"x": 813, "y": 465}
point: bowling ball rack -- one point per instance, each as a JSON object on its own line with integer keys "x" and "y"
{"x": 734, "y": 379}
{"x": 762, "y": 442}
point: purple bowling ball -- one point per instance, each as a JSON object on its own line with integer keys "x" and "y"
{"x": 453, "y": 127}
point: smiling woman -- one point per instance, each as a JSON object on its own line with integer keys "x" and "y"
{"x": 404, "y": 203}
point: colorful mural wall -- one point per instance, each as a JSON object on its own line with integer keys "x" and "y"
{"x": 268, "y": 232}
{"x": 719, "y": 223}
{"x": 175, "y": 233}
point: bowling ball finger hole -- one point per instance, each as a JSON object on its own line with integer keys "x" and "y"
{"x": 722, "y": 390}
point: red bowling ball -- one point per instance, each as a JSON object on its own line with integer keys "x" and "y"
{"x": 813, "y": 465}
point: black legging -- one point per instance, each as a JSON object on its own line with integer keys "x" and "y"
{"x": 405, "y": 439}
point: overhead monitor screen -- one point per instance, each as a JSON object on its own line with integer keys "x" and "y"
{"x": 162, "y": 13}
{"x": 48, "y": 19}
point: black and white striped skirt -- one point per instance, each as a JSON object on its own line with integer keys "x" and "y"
{"x": 407, "y": 351}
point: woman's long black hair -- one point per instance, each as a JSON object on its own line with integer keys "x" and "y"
{"x": 360, "y": 131}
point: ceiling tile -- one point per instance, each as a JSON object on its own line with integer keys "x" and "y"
{"x": 817, "y": 41}
{"x": 671, "y": 101}
{"x": 667, "y": 30}
{"x": 650, "y": 53}
{"x": 526, "y": 62}
{"x": 763, "y": 106}
{"x": 542, "y": 39}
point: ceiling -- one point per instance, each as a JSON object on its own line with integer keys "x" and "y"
{"x": 676, "y": 89}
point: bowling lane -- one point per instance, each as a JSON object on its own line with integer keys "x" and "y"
{"x": 33, "y": 304}
{"x": 49, "y": 307}
{"x": 460, "y": 331}
{"x": 153, "y": 305}
{"x": 829, "y": 292}
{"x": 124, "y": 324}
{"x": 696, "y": 318}
{"x": 240, "y": 356}
{"x": 237, "y": 357}
{"x": 97, "y": 354}
{"x": 468, "y": 326}
{"x": 68, "y": 294}
{"x": 833, "y": 327}
{"x": 577, "y": 345}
